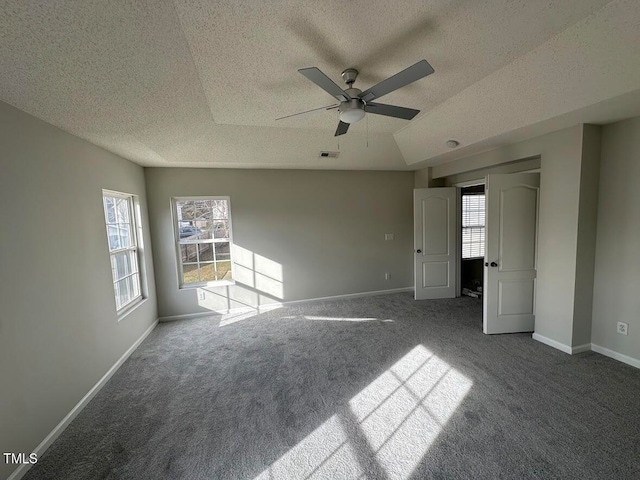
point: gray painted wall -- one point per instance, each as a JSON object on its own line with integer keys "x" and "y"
{"x": 561, "y": 154}
{"x": 587, "y": 223}
{"x": 323, "y": 229}
{"x": 59, "y": 333}
{"x": 617, "y": 266}
{"x": 480, "y": 175}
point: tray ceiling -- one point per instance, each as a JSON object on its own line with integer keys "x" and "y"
{"x": 200, "y": 83}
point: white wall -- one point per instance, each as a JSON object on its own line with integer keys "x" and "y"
{"x": 617, "y": 267}
{"x": 59, "y": 333}
{"x": 321, "y": 233}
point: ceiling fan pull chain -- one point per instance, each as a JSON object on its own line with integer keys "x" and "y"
{"x": 367, "y": 131}
{"x": 338, "y": 118}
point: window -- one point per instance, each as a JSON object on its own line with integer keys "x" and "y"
{"x": 203, "y": 239}
{"x": 472, "y": 226}
{"x": 123, "y": 247}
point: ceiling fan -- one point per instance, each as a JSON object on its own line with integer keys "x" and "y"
{"x": 354, "y": 103}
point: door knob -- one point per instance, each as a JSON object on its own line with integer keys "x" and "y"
{"x": 494, "y": 264}
{"x": 418, "y": 251}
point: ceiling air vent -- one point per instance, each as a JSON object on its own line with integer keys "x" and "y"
{"x": 329, "y": 154}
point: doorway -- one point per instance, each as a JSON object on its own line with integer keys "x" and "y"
{"x": 472, "y": 240}
{"x": 491, "y": 227}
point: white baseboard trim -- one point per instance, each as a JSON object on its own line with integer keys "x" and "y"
{"x": 581, "y": 348}
{"x": 271, "y": 306}
{"x": 634, "y": 362}
{"x": 552, "y": 343}
{"x": 350, "y": 295}
{"x": 561, "y": 346}
{"x": 19, "y": 472}
{"x": 188, "y": 316}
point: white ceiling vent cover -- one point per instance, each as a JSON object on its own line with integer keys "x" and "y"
{"x": 329, "y": 154}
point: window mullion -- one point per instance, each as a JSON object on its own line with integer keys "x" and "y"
{"x": 132, "y": 248}
{"x": 126, "y": 276}
{"x": 215, "y": 261}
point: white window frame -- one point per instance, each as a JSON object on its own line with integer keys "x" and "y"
{"x": 469, "y": 227}
{"x": 134, "y": 248}
{"x": 177, "y": 241}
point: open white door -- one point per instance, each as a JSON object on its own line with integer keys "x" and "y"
{"x": 510, "y": 252}
{"x": 434, "y": 211}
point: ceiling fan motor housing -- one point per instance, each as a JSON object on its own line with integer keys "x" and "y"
{"x": 349, "y": 76}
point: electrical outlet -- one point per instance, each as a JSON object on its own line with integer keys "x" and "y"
{"x": 388, "y": 236}
{"x": 200, "y": 295}
{"x": 387, "y": 276}
{"x": 623, "y": 328}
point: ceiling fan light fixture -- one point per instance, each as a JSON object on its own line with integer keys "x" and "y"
{"x": 351, "y": 111}
{"x": 352, "y": 115}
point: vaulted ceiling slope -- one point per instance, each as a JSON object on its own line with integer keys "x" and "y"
{"x": 200, "y": 83}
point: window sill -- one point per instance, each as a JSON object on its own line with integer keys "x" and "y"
{"x": 218, "y": 283}
{"x": 130, "y": 308}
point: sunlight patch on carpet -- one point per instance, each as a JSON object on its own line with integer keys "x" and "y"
{"x": 325, "y": 453}
{"x": 387, "y": 427}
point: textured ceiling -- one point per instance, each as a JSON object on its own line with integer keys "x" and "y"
{"x": 199, "y": 83}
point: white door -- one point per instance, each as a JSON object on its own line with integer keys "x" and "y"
{"x": 510, "y": 252}
{"x": 434, "y": 211}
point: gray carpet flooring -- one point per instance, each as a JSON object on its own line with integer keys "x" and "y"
{"x": 380, "y": 387}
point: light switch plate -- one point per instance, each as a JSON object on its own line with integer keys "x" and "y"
{"x": 388, "y": 236}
